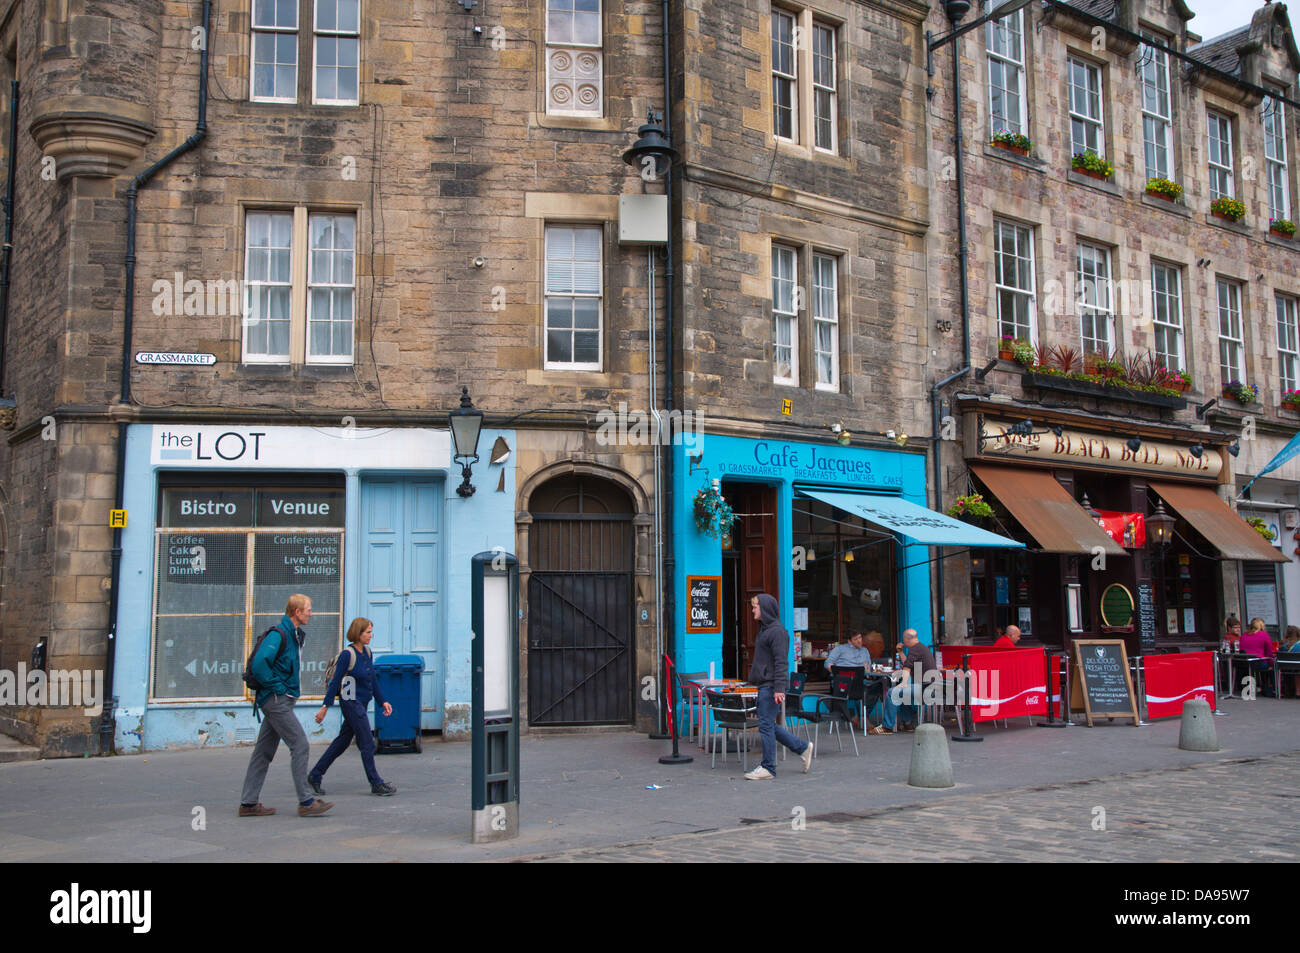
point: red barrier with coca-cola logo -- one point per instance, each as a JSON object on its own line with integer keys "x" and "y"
{"x": 1172, "y": 679}
{"x": 1004, "y": 683}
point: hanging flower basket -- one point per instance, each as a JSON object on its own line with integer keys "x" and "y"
{"x": 713, "y": 515}
{"x": 970, "y": 508}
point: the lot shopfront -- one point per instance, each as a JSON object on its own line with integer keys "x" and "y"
{"x": 832, "y": 571}
{"x": 226, "y": 522}
{"x": 1080, "y": 495}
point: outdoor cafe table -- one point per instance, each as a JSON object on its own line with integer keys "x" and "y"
{"x": 1240, "y": 660}
{"x": 719, "y": 686}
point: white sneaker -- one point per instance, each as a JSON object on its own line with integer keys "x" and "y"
{"x": 760, "y": 774}
{"x": 807, "y": 757}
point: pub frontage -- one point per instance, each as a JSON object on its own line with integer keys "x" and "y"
{"x": 224, "y": 522}
{"x": 1126, "y": 531}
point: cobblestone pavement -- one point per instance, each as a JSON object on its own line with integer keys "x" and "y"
{"x": 1236, "y": 810}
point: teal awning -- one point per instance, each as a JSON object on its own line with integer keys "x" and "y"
{"x": 915, "y": 524}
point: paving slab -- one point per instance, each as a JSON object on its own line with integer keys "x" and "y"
{"x": 581, "y": 792}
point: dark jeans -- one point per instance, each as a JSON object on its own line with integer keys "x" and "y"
{"x": 355, "y": 724}
{"x": 768, "y": 713}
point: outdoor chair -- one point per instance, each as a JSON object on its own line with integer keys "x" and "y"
{"x": 795, "y": 714}
{"x": 693, "y": 705}
{"x": 835, "y": 707}
{"x": 732, "y": 712}
{"x": 1286, "y": 667}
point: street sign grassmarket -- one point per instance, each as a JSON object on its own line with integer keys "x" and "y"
{"x": 175, "y": 357}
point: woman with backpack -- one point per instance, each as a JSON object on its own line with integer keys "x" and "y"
{"x": 357, "y": 664}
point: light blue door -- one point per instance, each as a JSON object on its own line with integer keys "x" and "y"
{"x": 399, "y": 577}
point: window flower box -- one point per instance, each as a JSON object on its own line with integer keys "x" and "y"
{"x": 1164, "y": 189}
{"x": 1012, "y": 142}
{"x": 1231, "y": 209}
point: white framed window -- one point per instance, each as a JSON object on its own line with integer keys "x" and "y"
{"x": 785, "y": 77}
{"x": 268, "y": 287}
{"x": 826, "y": 321}
{"x": 574, "y": 58}
{"x": 574, "y": 290}
{"x": 311, "y": 317}
{"x": 1157, "y": 113}
{"x": 274, "y": 74}
{"x": 1167, "y": 306}
{"x": 1273, "y": 117}
{"x": 1006, "y": 55}
{"x": 787, "y": 299}
{"x": 1219, "y": 146}
{"x": 1288, "y": 343}
{"x": 1013, "y": 255}
{"x": 1086, "y": 133}
{"x": 1096, "y": 299}
{"x": 337, "y": 38}
{"x": 1232, "y": 347}
{"x": 331, "y": 288}
{"x": 824, "y": 84}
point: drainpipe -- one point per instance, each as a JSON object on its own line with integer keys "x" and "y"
{"x": 9, "y": 229}
{"x": 938, "y": 492}
{"x": 669, "y": 563}
{"x": 107, "y": 723}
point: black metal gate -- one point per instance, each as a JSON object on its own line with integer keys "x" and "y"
{"x": 579, "y": 656}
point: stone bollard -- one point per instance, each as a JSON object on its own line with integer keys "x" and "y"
{"x": 1197, "y": 732}
{"x": 931, "y": 767}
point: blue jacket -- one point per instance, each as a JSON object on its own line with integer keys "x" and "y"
{"x": 282, "y": 677}
{"x": 363, "y": 672}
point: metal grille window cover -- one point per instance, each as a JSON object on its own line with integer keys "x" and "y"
{"x": 217, "y": 590}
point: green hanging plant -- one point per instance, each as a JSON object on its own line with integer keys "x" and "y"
{"x": 713, "y": 515}
{"x": 1262, "y": 528}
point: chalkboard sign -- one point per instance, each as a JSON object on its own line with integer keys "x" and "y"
{"x": 703, "y": 603}
{"x": 1101, "y": 665}
{"x": 1116, "y": 606}
{"x": 1147, "y": 616}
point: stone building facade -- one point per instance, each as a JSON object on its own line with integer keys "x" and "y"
{"x": 384, "y": 184}
{"x": 1096, "y": 263}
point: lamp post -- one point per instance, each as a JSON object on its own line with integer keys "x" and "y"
{"x": 466, "y": 423}
{"x": 1160, "y": 531}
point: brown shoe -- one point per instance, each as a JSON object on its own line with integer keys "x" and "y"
{"x": 880, "y": 730}
{"x": 255, "y": 810}
{"x": 316, "y": 807}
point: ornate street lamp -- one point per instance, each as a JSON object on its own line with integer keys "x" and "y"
{"x": 1160, "y": 526}
{"x": 466, "y": 424}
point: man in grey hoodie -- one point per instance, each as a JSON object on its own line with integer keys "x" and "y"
{"x": 770, "y": 671}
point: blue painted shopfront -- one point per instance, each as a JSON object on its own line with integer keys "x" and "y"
{"x": 788, "y": 466}
{"x": 395, "y": 547}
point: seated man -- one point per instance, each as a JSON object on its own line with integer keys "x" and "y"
{"x": 1009, "y": 638}
{"x": 850, "y": 654}
{"x": 919, "y": 661}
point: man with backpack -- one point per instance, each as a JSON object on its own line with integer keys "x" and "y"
{"x": 273, "y": 672}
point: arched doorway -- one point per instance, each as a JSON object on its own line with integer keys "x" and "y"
{"x": 581, "y": 552}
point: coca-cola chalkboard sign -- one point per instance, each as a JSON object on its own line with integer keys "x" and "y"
{"x": 703, "y": 603}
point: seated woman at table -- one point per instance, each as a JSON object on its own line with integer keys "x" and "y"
{"x": 1291, "y": 639}
{"x": 1257, "y": 641}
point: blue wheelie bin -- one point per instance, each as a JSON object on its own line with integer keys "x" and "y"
{"x": 398, "y": 677}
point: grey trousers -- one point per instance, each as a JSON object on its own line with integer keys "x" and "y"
{"x": 278, "y": 724}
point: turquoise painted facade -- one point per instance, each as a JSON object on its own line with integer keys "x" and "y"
{"x": 787, "y": 465}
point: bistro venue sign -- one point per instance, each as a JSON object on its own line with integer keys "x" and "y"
{"x": 1081, "y": 448}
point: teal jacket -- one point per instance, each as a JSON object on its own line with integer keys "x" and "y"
{"x": 282, "y": 677}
